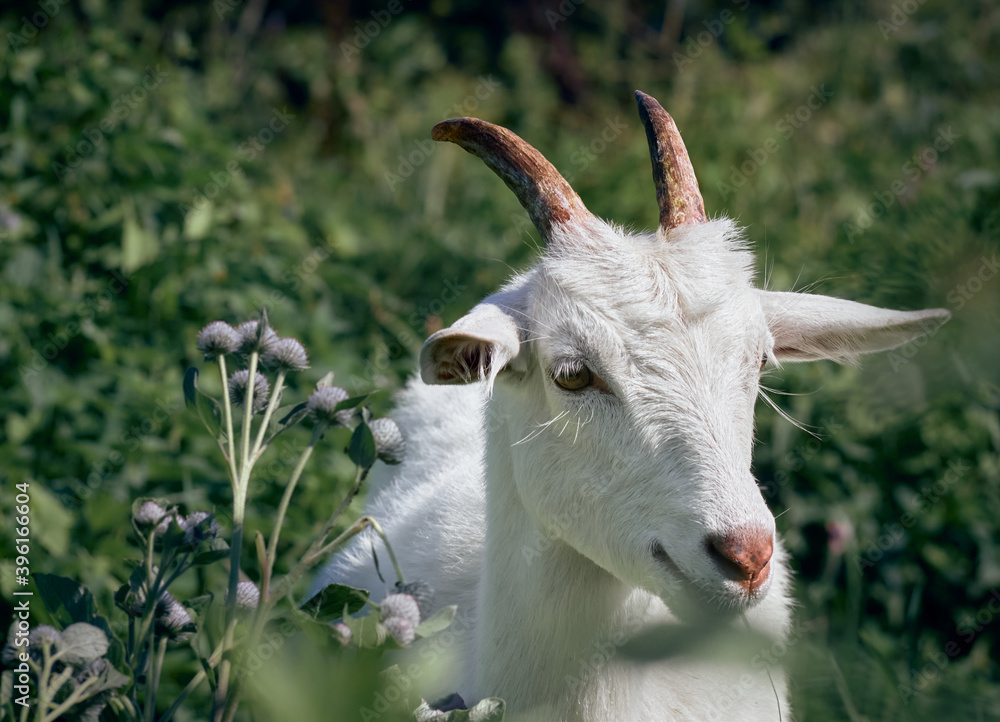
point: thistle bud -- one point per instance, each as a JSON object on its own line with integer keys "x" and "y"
{"x": 149, "y": 515}
{"x": 422, "y": 592}
{"x": 400, "y": 605}
{"x": 164, "y": 524}
{"x": 389, "y": 442}
{"x": 198, "y": 527}
{"x": 247, "y": 596}
{"x": 172, "y": 618}
{"x": 285, "y": 354}
{"x": 323, "y": 404}
{"x": 238, "y": 389}
{"x": 342, "y": 633}
{"x": 248, "y": 338}
{"x": 218, "y": 339}
{"x": 401, "y": 630}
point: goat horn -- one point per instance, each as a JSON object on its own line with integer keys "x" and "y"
{"x": 677, "y": 191}
{"x": 544, "y": 193}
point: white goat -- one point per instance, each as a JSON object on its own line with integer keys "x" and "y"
{"x": 584, "y": 471}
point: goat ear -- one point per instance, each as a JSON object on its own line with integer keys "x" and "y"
{"x": 477, "y": 347}
{"x": 808, "y": 327}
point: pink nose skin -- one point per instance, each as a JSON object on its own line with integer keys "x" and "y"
{"x": 744, "y": 556}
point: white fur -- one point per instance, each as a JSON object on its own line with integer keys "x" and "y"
{"x": 541, "y": 532}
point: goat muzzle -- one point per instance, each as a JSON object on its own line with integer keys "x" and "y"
{"x": 744, "y": 556}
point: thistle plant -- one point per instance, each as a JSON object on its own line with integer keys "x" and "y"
{"x": 69, "y": 670}
{"x": 83, "y": 669}
{"x": 252, "y": 393}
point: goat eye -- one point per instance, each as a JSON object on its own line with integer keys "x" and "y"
{"x": 574, "y": 380}
{"x": 763, "y": 361}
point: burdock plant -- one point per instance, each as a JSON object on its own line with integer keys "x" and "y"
{"x": 85, "y": 667}
{"x": 256, "y": 396}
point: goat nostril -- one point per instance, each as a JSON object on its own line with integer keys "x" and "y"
{"x": 744, "y": 554}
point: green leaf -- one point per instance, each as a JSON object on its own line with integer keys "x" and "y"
{"x": 139, "y": 245}
{"x": 83, "y": 644}
{"x": 191, "y": 388}
{"x": 361, "y": 449}
{"x": 121, "y": 596}
{"x": 66, "y": 600}
{"x": 295, "y": 415}
{"x": 262, "y": 327}
{"x": 366, "y": 632}
{"x": 198, "y": 221}
{"x": 199, "y": 603}
{"x": 205, "y": 406}
{"x": 351, "y": 402}
{"x": 437, "y": 622}
{"x": 330, "y": 603}
{"x": 210, "y": 556}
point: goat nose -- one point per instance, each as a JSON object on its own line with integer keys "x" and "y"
{"x": 744, "y": 554}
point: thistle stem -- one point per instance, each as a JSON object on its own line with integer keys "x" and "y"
{"x": 239, "y": 508}
{"x": 222, "y": 689}
{"x": 43, "y": 684}
{"x": 247, "y": 417}
{"x": 200, "y": 677}
{"x": 76, "y": 696}
{"x": 153, "y": 685}
{"x": 313, "y": 553}
{"x": 228, "y": 410}
{"x": 272, "y": 404}
{"x": 286, "y": 498}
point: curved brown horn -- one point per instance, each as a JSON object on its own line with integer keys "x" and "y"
{"x": 544, "y": 193}
{"x": 676, "y": 185}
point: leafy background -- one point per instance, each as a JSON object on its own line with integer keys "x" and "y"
{"x": 360, "y": 237}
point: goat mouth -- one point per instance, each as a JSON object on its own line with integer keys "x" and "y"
{"x": 693, "y": 602}
{"x": 665, "y": 560}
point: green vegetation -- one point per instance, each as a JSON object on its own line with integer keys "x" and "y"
{"x": 162, "y": 167}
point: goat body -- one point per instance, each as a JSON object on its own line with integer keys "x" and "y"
{"x": 579, "y": 453}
